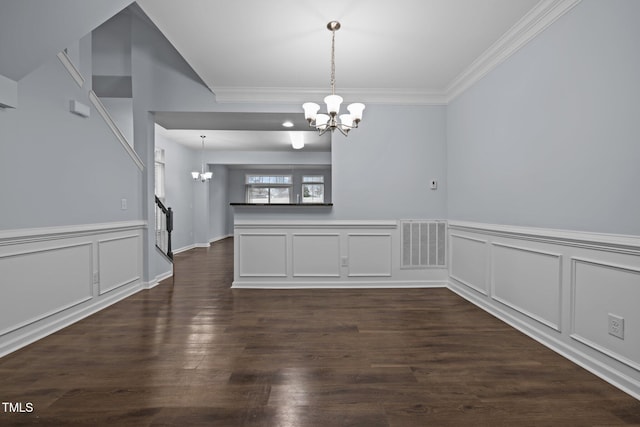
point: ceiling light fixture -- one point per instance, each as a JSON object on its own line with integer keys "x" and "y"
{"x": 288, "y": 124}
{"x": 297, "y": 140}
{"x": 325, "y": 122}
{"x": 202, "y": 175}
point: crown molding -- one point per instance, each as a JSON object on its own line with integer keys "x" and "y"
{"x": 543, "y": 14}
{"x": 300, "y": 95}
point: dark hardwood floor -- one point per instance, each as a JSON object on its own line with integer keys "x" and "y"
{"x": 194, "y": 352}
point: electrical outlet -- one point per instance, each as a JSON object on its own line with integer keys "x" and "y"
{"x": 345, "y": 261}
{"x": 123, "y": 204}
{"x": 616, "y": 326}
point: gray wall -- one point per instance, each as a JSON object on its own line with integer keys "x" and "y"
{"x": 219, "y": 209}
{"x": 179, "y": 161}
{"x": 550, "y": 138}
{"x": 33, "y": 31}
{"x": 57, "y": 168}
{"x": 382, "y": 169}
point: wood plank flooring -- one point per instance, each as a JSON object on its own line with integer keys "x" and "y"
{"x": 193, "y": 352}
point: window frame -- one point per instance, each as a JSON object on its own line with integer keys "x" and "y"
{"x": 286, "y": 182}
{"x": 312, "y": 180}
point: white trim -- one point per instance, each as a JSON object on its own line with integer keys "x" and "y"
{"x": 576, "y": 336}
{"x": 516, "y": 307}
{"x": 450, "y": 253}
{"x": 41, "y": 234}
{"x": 298, "y": 95}
{"x": 119, "y": 285}
{"x": 345, "y": 284}
{"x": 21, "y": 340}
{"x": 217, "y": 239}
{"x": 596, "y": 367}
{"x": 609, "y": 250}
{"x": 293, "y": 255}
{"x": 541, "y": 16}
{"x": 114, "y": 128}
{"x": 71, "y": 68}
{"x": 469, "y": 285}
{"x": 600, "y": 241}
{"x": 485, "y": 242}
{"x": 159, "y": 278}
{"x": 43, "y": 316}
{"x": 184, "y": 249}
{"x": 296, "y": 224}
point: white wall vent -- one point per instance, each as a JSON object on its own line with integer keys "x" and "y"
{"x": 423, "y": 243}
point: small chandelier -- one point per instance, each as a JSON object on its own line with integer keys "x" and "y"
{"x": 202, "y": 175}
{"x": 325, "y": 122}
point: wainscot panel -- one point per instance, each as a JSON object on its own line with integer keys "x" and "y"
{"x": 316, "y": 255}
{"x": 469, "y": 262}
{"x": 262, "y": 255}
{"x": 324, "y": 254}
{"x": 40, "y": 282}
{"x": 600, "y": 290}
{"x": 369, "y": 255}
{"x": 528, "y": 281}
{"x": 559, "y": 287}
{"x": 119, "y": 262}
{"x": 55, "y": 276}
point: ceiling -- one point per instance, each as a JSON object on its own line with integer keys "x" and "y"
{"x": 278, "y": 51}
{"x": 231, "y": 131}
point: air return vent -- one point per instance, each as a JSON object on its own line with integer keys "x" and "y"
{"x": 423, "y": 243}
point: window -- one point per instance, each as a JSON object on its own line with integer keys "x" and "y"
{"x": 313, "y": 189}
{"x": 268, "y": 189}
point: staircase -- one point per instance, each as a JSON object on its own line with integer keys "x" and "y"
{"x": 164, "y": 227}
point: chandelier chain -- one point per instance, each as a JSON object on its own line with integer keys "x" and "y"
{"x": 333, "y": 62}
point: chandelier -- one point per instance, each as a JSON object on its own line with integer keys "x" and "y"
{"x": 332, "y": 121}
{"x": 202, "y": 175}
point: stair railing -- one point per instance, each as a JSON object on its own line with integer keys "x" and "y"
{"x": 164, "y": 227}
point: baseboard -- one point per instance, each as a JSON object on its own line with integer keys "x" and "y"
{"x": 159, "y": 278}
{"x": 596, "y": 367}
{"x": 407, "y": 284}
{"x": 64, "y": 319}
{"x": 217, "y": 239}
{"x": 184, "y": 249}
{"x": 201, "y": 245}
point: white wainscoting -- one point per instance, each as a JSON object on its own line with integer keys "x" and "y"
{"x": 599, "y": 289}
{"x": 469, "y": 261}
{"x": 262, "y": 255}
{"x": 55, "y": 276}
{"x": 118, "y": 262}
{"x": 528, "y": 281}
{"x": 558, "y": 287}
{"x": 324, "y": 254}
{"x": 369, "y": 255}
{"x": 316, "y": 255}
